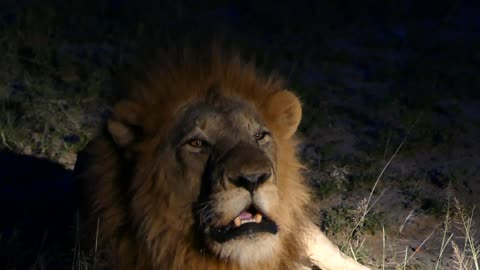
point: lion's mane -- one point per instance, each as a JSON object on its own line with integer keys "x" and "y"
{"x": 123, "y": 221}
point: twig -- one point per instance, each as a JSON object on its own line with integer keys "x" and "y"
{"x": 405, "y": 258}
{"x": 353, "y": 252}
{"x": 446, "y": 225}
{"x": 4, "y": 140}
{"x": 421, "y": 245}
{"x": 383, "y": 245}
{"x": 406, "y": 220}
{"x": 96, "y": 245}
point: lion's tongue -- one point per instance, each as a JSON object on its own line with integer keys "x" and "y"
{"x": 246, "y": 217}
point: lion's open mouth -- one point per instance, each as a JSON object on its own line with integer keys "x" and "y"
{"x": 247, "y": 223}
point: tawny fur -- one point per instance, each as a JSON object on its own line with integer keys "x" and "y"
{"x": 133, "y": 233}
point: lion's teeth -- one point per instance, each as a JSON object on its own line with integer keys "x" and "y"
{"x": 255, "y": 219}
{"x": 258, "y": 218}
{"x": 248, "y": 221}
{"x": 237, "y": 222}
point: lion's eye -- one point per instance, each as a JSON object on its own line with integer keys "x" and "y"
{"x": 196, "y": 143}
{"x": 260, "y": 135}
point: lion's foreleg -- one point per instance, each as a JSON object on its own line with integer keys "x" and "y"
{"x": 327, "y": 255}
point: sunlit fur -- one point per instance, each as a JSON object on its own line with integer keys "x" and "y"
{"x": 142, "y": 198}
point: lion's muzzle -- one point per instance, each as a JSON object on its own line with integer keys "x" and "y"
{"x": 237, "y": 180}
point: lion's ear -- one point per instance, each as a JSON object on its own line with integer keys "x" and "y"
{"x": 124, "y": 123}
{"x": 286, "y": 111}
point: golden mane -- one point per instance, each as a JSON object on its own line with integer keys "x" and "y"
{"x": 130, "y": 235}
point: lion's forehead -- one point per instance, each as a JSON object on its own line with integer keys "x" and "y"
{"x": 232, "y": 114}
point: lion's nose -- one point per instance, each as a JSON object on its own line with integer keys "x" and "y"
{"x": 251, "y": 181}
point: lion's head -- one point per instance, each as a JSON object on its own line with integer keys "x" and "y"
{"x": 197, "y": 170}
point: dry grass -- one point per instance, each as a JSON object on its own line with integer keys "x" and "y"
{"x": 465, "y": 257}
{"x": 468, "y": 256}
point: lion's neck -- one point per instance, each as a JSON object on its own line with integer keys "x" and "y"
{"x": 191, "y": 260}
{"x": 183, "y": 256}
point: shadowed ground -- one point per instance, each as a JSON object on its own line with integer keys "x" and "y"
{"x": 37, "y": 213}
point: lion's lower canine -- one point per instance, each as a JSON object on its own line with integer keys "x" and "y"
{"x": 197, "y": 169}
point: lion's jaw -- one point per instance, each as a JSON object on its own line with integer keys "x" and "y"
{"x": 251, "y": 247}
{"x": 249, "y": 252}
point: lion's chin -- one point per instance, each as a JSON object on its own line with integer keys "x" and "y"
{"x": 248, "y": 250}
{"x": 249, "y": 223}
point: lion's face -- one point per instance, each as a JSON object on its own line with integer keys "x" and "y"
{"x": 220, "y": 175}
{"x": 231, "y": 157}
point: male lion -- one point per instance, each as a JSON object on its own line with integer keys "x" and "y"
{"x": 197, "y": 170}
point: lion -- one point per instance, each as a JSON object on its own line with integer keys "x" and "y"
{"x": 197, "y": 169}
